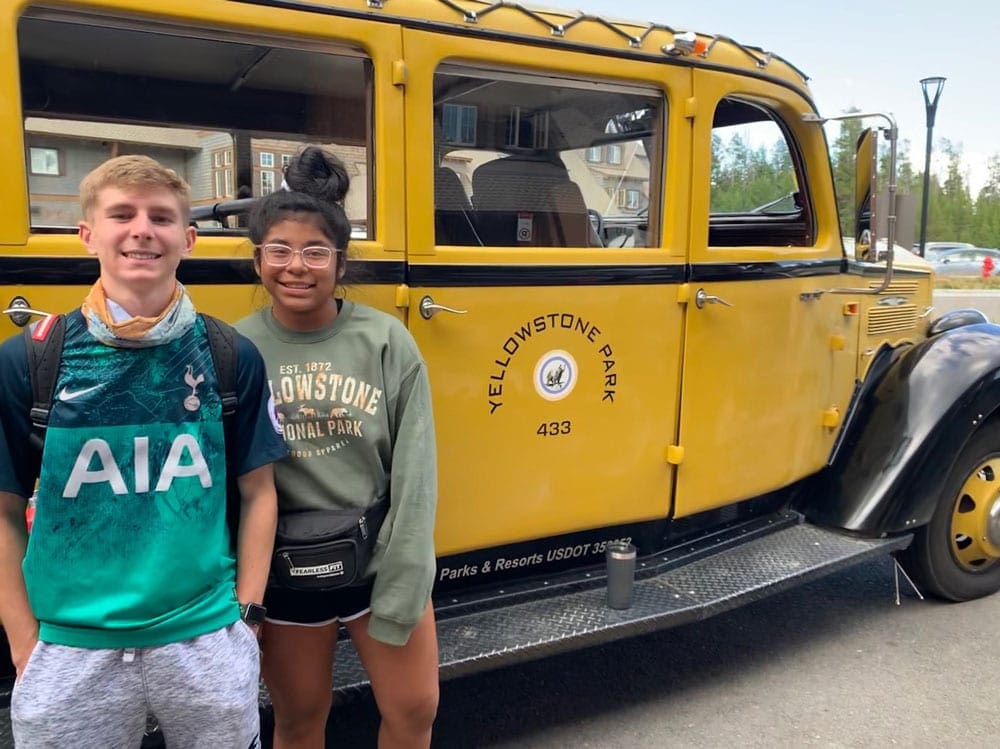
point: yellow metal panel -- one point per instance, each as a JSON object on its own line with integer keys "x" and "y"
{"x": 895, "y": 316}
{"x": 13, "y": 177}
{"x": 758, "y": 377}
{"x": 580, "y": 28}
{"x": 535, "y": 466}
{"x": 891, "y": 319}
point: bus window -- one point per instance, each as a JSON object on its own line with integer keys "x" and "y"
{"x": 226, "y": 114}
{"x": 522, "y": 163}
{"x": 758, "y": 194}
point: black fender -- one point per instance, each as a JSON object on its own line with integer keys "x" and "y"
{"x": 909, "y": 421}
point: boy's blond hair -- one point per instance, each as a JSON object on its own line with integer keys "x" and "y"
{"x": 131, "y": 172}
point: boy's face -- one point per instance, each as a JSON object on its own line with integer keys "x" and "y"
{"x": 139, "y": 236}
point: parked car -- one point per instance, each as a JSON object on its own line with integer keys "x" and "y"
{"x": 933, "y": 249}
{"x": 965, "y": 262}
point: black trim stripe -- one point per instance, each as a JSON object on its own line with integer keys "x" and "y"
{"x": 855, "y": 268}
{"x": 544, "y": 275}
{"x": 375, "y": 272}
{"x": 73, "y": 271}
{"x": 47, "y": 271}
{"x": 615, "y": 275}
{"x": 765, "y": 271}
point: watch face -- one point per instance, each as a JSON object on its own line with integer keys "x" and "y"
{"x": 253, "y": 613}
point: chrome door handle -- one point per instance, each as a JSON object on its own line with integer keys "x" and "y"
{"x": 428, "y": 308}
{"x": 702, "y": 297}
{"x": 20, "y": 311}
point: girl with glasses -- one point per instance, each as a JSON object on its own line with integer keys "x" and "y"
{"x": 351, "y": 392}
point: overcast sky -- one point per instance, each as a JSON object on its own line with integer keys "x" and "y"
{"x": 869, "y": 55}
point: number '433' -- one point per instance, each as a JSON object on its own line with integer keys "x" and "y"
{"x": 554, "y": 428}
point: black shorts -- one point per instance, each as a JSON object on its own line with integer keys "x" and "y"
{"x": 316, "y": 609}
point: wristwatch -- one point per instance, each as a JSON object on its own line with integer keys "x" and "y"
{"x": 252, "y": 613}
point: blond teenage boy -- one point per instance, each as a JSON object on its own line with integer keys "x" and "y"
{"x": 127, "y": 596}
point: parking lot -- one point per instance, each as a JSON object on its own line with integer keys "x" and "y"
{"x": 832, "y": 664}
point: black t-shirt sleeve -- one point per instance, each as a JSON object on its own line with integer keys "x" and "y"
{"x": 258, "y": 434}
{"x": 19, "y": 461}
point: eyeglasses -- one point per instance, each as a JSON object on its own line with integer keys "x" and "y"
{"x": 280, "y": 255}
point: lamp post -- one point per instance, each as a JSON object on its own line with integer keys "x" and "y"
{"x": 932, "y": 92}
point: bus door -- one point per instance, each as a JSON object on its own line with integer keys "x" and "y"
{"x": 768, "y": 351}
{"x": 542, "y": 275}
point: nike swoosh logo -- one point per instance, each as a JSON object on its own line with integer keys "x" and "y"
{"x": 68, "y": 395}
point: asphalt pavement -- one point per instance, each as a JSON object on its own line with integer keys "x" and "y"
{"x": 986, "y": 301}
{"x": 835, "y": 663}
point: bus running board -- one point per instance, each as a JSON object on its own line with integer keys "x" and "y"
{"x": 531, "y": 629}
{"x": 720, "y": 582}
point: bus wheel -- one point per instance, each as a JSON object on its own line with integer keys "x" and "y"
{"x": 957, "y": 555}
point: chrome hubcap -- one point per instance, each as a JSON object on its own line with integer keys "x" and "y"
{"x": 993, "y": 524}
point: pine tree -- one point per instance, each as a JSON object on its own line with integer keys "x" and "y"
{"x": 986, "y": 232}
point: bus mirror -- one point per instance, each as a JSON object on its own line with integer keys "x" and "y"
{"x": 866, "y": 167}
{"x": 865, "y": 191}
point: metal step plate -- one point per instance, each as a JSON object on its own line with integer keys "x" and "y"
{"x": 541, "y": 627}
{"x": 512, "y": 633}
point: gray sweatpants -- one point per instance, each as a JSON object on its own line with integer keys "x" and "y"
{"x": 203, "y": 692}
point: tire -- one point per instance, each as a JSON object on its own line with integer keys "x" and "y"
{"x": 956, "y": 556}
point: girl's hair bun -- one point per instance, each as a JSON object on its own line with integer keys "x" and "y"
{"x": 318, "y": 173}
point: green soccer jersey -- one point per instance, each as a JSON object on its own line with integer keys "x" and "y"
{"x": 130, "y": 546}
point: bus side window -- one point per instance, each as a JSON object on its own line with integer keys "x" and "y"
{"x": 758, "y": 193}
{"x": 227, "y": 116}
{"x": 528, "y": 162}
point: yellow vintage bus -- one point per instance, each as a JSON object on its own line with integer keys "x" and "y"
{"x": 614, "y": 355}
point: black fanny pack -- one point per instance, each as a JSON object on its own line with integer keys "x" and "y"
{"x": 325, "y": 549}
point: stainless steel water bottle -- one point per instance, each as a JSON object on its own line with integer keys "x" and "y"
{"x": 621, "y": 574}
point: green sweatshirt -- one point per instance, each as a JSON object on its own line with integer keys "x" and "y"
{"x": 354, "y": 403}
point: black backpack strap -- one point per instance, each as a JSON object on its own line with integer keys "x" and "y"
{"x": 44, "y": 344}
{"x": 222, "y": 341}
